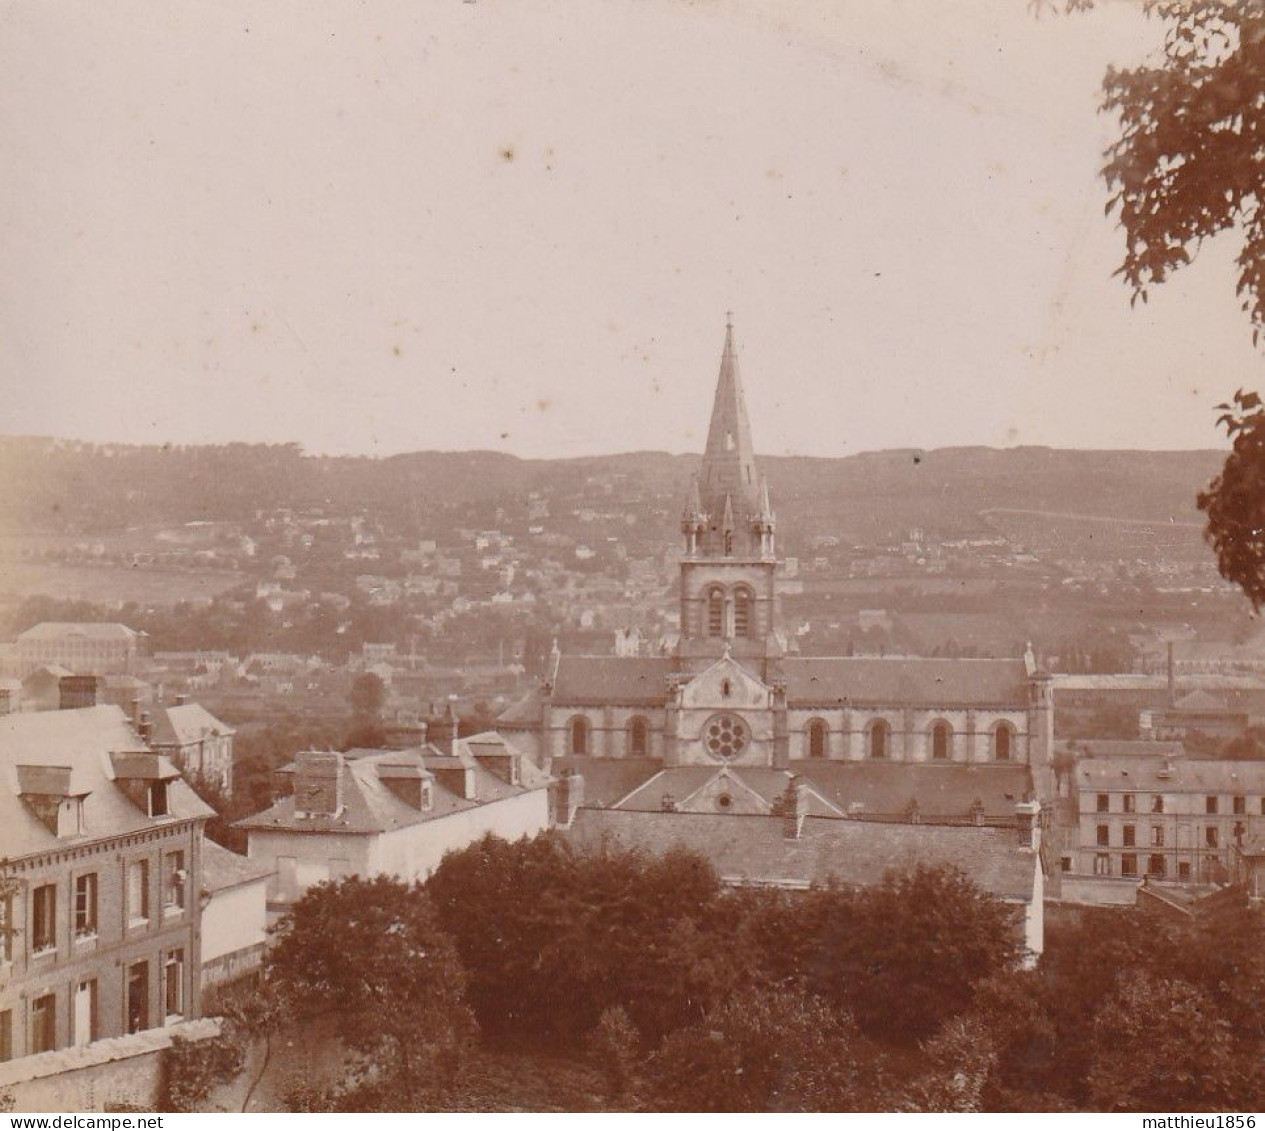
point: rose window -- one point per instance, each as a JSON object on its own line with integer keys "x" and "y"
{"x": 726, "y": 736}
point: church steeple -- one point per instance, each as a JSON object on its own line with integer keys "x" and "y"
{"x": 729, "y": 568}
{"x": 728, "y": 482}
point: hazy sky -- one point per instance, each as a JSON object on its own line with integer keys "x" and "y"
{"x": 386, "y": 226}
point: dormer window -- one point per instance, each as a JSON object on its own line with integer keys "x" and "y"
{"x": 70, "y": 817}
{"x": 157, "y": 795}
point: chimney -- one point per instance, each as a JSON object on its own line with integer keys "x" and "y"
{"x": 318, "y": 784}
{"x": 181, "y": 699}
{"x": 1028, "y": 823}
{"x": 793, "y": 810}
{"x": 453, "y": 721}
{"x": 567, "y": 794}
{"x": 145, "y": 728}
{"x": 136, "y": 711}
{"x": 78, "y": 691}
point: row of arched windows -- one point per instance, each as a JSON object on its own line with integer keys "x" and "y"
{"x": 878, "y": 740}
{"x": 744, "y": 610}
{"x": 636, "y": 736}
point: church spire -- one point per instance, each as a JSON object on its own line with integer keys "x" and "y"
{"x": 728, "y": 471}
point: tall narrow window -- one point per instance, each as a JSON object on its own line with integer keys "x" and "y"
{"x": 742, "y": 611}
{"x": 158, "y": 799}
{"x": 83, "y": 1013}
{"x": 715, "y": 611}
{"x": 579, "y": 736}
{"x": 174, "y": 878}
{"x": 173, "y": 985}
{"x": 817, "y": 739}
{"x": 6, "y": 928}
{"x": 940, "y": 736}
{"x": 880, "y": 738}
{"x": 138, "y": 891}
{"x": 638, "y": 739}
{"x": 44, "y": 1023}
{"x": 44, "y": 918}
{"x": 137, "y": 997}
{"x": 6, "y": 1034}
{"x": 86, "y": 905}
{"x": 1003, "y": 742}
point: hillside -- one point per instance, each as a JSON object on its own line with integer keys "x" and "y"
{"x": 58, "y": 486}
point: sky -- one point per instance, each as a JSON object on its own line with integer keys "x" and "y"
{"x": 401, "y": 225}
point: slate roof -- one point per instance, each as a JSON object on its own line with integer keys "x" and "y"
{"x": 607, "y": 780}
{"x": 369, "y": 805}
{"x": 185, "y": 725}
{"x": 1119, "y": 748}
{"x": 97, "y": 630}
{"x": 222, "y": 869}
{"x": 942, "y": 791}
{"x": 904, "y": 681}
{"x": 1183, "y": 775}
{"x": 633, "y": 680}
{"x": 753, "y": 849}
{"x": 524, "y": 712}
{"x": 83, "y": 740}
{"x": 826, "y": 681}
{"x": 682, "y": 783}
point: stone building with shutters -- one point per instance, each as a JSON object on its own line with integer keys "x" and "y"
{"x": 934, "y": 734}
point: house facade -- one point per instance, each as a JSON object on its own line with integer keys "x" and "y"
{"x": 101, "y": 844}
{"x": 1165, "y": 817}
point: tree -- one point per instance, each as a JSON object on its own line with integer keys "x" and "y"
{"x": 1189, "y": 162}
{"x": 765, "y": 1050}
{"x": 1161, "y": 1045}
{"x": 904, "y": 956}
{"x": 371, "y": 956}
{"x": 1235, "y": 501}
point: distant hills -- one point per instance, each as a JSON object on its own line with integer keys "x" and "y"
{"x": 52, "y": 485}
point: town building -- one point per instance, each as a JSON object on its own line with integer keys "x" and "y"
{"x": 100, "y": 867}
{"x": 1165, "y": 817}
{"x": 234, "y": 916}
{"x": 79, "y": 647}
{"x": 392, "y": 812}
{"x": 199, "y": 743}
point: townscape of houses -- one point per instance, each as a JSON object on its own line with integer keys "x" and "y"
{"x": 707, "y": 725}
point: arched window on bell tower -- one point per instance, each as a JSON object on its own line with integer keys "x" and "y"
{"x": 715, "y": 611}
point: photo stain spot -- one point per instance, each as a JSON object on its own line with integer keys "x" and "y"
{"x": 396, "y": 350}
{"x": 544, "y": 404}
{"x": 507, "y": 154}
{"x": 917, "y": 461}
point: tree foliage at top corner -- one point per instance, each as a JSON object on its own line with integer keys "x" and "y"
{"x": 1189, "y": 162}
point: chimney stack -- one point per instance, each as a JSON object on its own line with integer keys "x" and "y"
{"x": 1028, "y": 823}
{"x": 452, "y": 720}
{"x": 76, "y": 691}
{"x": 793, "y": 811}
{"x": 181, "y": 699}
{"x": 136, "y": 711}
{"x": 145, "y": 728}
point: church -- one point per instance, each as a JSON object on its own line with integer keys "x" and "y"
{"x": 725, "y": 719}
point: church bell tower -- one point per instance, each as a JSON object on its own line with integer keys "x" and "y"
{"x": 729, "y": 567}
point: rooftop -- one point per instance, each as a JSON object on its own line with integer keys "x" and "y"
{"x": 84, "y": 741}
